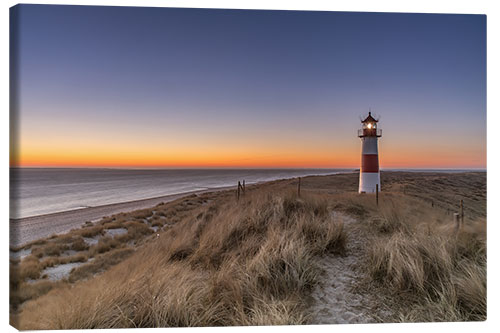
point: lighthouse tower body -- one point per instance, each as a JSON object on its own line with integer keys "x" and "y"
{"x": 369, "y": 175}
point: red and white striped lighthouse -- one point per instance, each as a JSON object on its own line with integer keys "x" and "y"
{"x": 369, "y": 174}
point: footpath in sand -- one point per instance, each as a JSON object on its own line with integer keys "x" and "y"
{"x": 338, "y": 299}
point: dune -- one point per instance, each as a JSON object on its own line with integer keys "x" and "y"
{"x": 272, "y": 257}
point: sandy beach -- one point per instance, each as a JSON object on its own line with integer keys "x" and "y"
{"x": 25, "y": 230}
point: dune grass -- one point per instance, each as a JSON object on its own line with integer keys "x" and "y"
{"x": 246, "y": 264}
{"x": 218, "y": 262}
{"x": 73, "y": 246}
{"x": 100, "y": 263}
{"x": 440, "y": 270}
{"x": 29, "y": 291}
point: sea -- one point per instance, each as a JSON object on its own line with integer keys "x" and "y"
{"x": 39, "y": 191}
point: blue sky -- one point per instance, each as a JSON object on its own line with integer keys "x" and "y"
{"x": 288, "y": 84}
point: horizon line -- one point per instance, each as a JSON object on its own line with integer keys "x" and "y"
{"x": 243, "y": 168}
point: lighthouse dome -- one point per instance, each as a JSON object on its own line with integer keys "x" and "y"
{"x": 370, "y": 119}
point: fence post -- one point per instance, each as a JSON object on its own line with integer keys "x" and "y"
{"x": 376, "y": 192}
{"x": 239, "y": 185}
{"x": 462, "y": 211}
{"x": 298, "y": 188}
{"x": 456, "y": 218}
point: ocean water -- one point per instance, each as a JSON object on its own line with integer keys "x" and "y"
{"x": 38, "y": 191}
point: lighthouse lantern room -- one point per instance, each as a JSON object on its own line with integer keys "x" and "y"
{"x": 369, "y": 174}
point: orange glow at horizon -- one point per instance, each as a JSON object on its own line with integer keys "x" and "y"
{"x": 251, "y": 158}
{"x": 61, "y": 147}
{"x": 181, "y": 159}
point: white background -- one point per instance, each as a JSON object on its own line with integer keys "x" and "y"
{"x": 422, "y": 6}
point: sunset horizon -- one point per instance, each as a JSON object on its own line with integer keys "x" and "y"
{"x": 419, "y": 158}
{"x": 286, "y": 92}
{"x": 244, "y": 167}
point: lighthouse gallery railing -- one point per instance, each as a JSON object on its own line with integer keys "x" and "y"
{"x": 369, "y": 132}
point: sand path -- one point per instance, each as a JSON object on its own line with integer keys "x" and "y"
{"x": 338, "y": 299}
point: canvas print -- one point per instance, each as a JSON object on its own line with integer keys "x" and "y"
{"x": 175, "y": 167}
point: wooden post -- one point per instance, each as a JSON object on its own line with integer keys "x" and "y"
{"x": 298, "y": 188}
{"x": 462, "y": 211}
{"x": 244, "y": 186}
{"x": 239, "y": 185}
{"x": 432, "y": 203}
{"x": 376, "y": 193}
{"x": 456, "y": 219}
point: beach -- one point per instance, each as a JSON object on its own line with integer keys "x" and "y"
{"x": 51, "y": 201}
{"x": 41, "y": 191}
{"x": 29, "y": 229}
{"x": 177, "y": 243}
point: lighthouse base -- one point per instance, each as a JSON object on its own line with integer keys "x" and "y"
{"x": 368, "y": 182}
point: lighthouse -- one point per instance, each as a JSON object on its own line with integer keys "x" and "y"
{"x": 369, "y": 174}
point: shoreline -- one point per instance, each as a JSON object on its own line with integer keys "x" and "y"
{"x": 27, "y": 229}
{"x": 80, "y": 199}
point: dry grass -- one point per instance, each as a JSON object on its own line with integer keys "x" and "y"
{"x": 142, "y": 214}
{"x": 29, "y": 291}
{"x": 253, "y": 263}
{"x": 441, "y": 269}
{"x": 53, "y": 251}
{"x": 137, "y": 229}
{"x": 135, "y": 232}
{"x": 115, "y": 224}
{"x": 103, "y": 245}
{"x": 158, "y": 221}
{"x": 54, "y": 261}
{"x": 79, "y": 244}
{"x": 432, "y": 272}
{"x": 99, "y": 264}
{"x": 29, "y": 268}
{"x": 246, "y": 264}
{"x": 49, "y": 249}
{"x": 91, "y": 231}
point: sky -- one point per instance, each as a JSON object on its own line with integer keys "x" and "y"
{"x": 164, "y": 87}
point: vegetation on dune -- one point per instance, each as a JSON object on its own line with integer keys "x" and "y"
{"x": 100, "y": 264}
{"x": 28, "y": 291}
{"x": 438, "y": 270}
{"x": 431, "y": 270}
{"x": 446, "y": 283}
{"x": 215, "y": 261}
{"x": 27, "y": 274}
{"x": 246, "y": 264}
